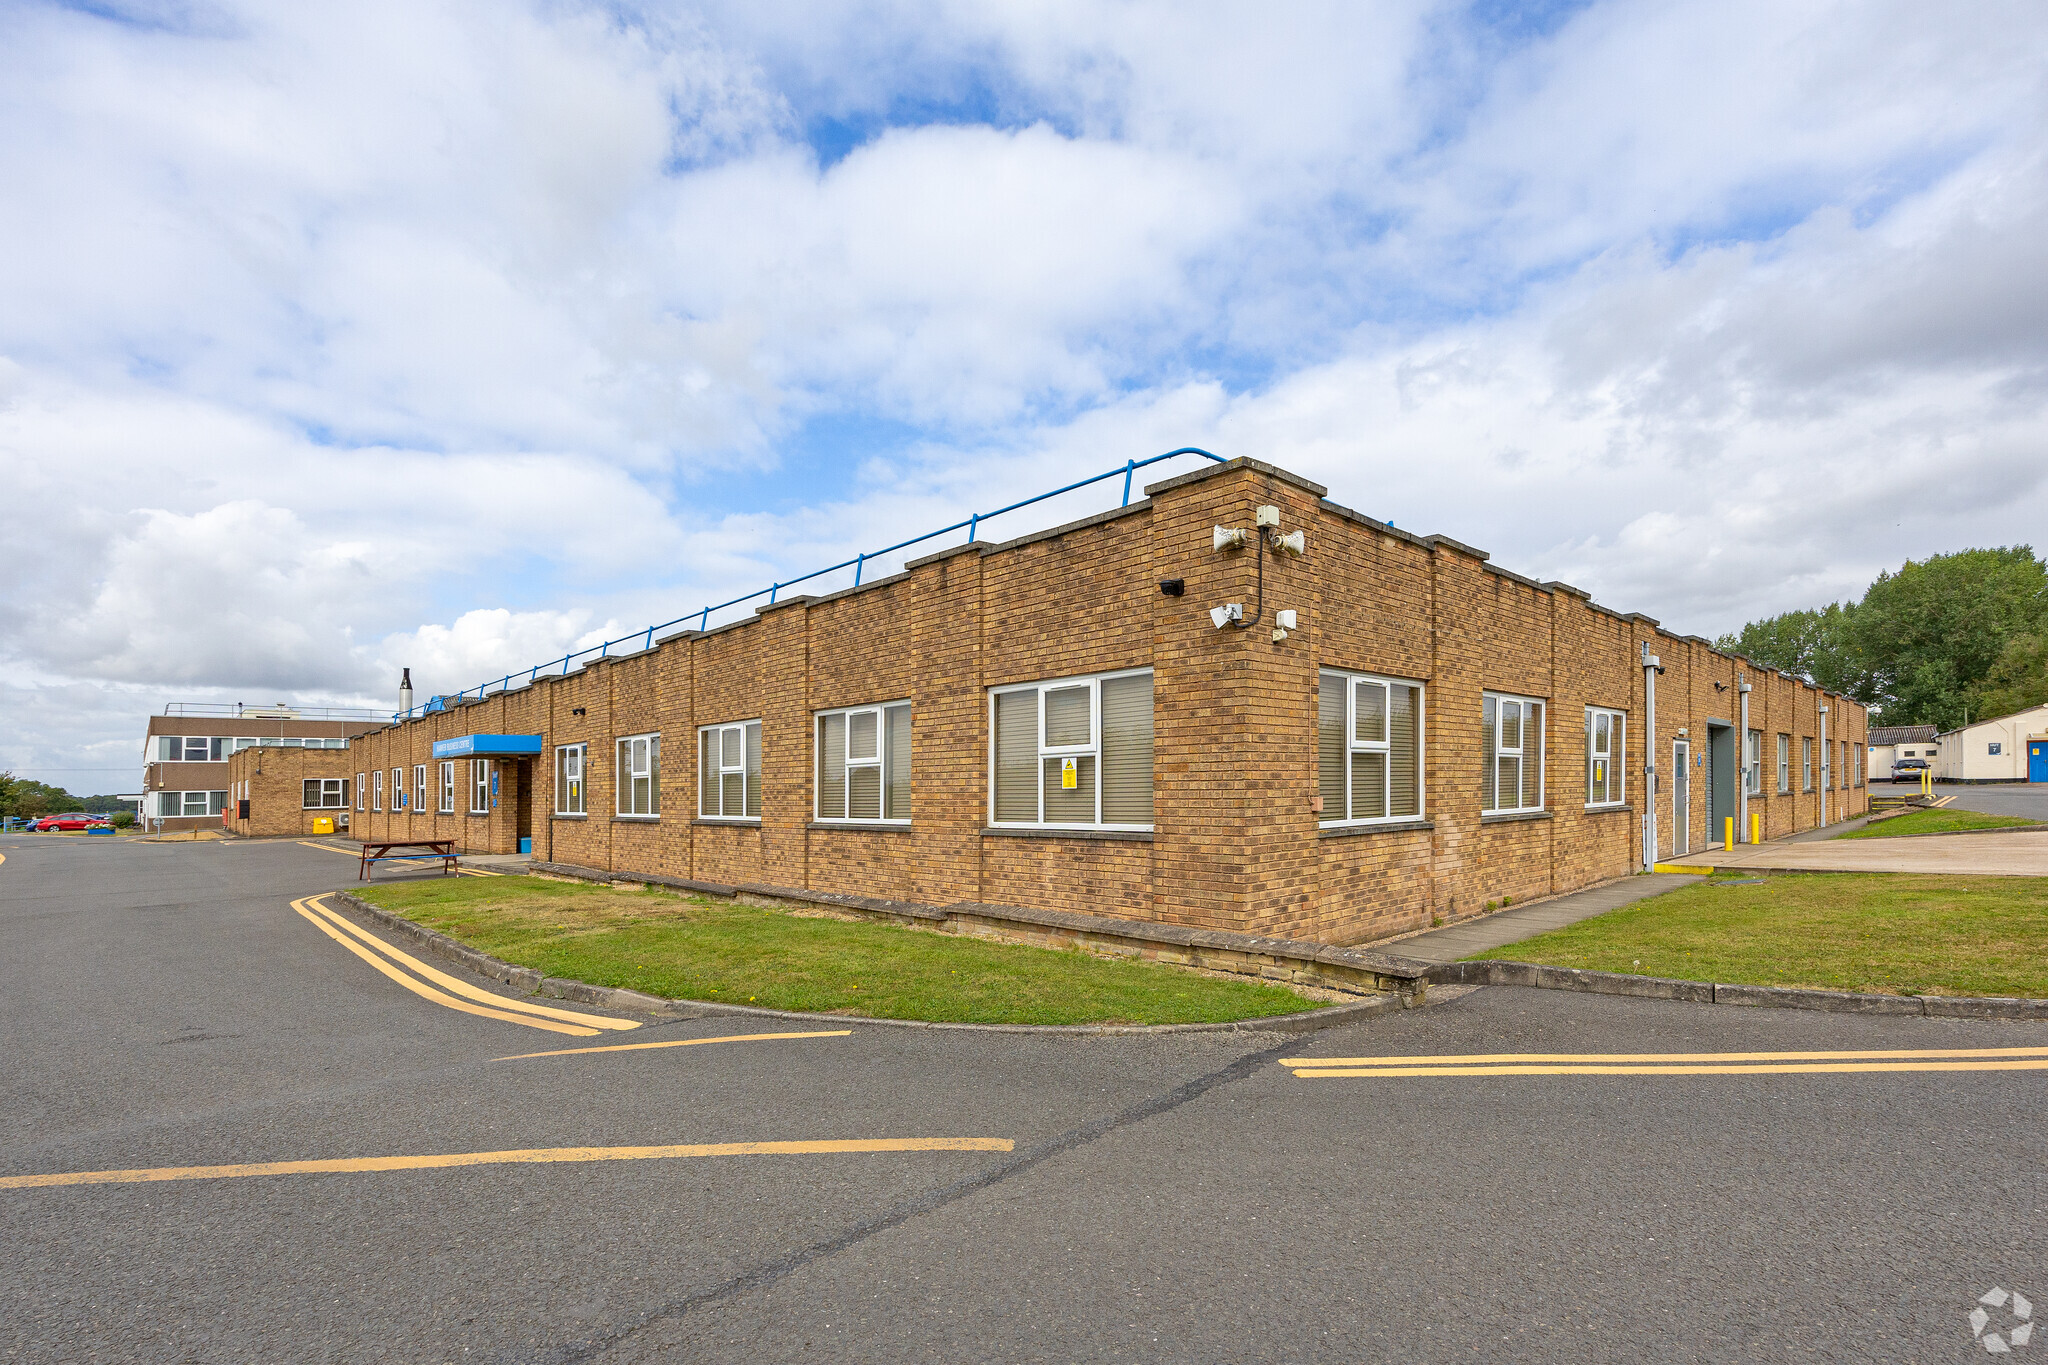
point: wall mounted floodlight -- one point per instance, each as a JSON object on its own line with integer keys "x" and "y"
{"x": 1229, "y": 537}
{"x": 1225, "y": 614}
{"x": 1267, "y": 515}
{"x": 1284, "y": 619}
{"x": 1294, "y": 542}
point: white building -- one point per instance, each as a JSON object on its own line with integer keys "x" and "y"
{"x": 2004, "y": 749}
{"x": 1890, "y": 743}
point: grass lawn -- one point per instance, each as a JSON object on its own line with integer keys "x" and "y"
{"x": 697, "y": 949}
{"x": 1935, "y": 822}
{"x": 1886, "y": 933}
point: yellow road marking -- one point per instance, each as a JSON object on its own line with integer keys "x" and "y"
{"x": 1607, "y": 1057}
{"x": 308, "y": 843}
{"x": 477, "y": 872}
{"x": 526, "y": 1156}
{"x": 1764, "y": 1069}
{"x": 428, "y": 992}
{"x": 461, "y": 987}
{"x": 677, "y": 1042}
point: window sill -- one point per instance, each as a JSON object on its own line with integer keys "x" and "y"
{"x": 559, "y": 816}
{"x": 743, "y": 821}
{"x": 1134, "y": 836}
{"x": 1381, "y": 827}
{"x": 1508, "y": 817}
{"x": 1609, "y": 808}
{"x": 636, "y": 819}
{"x": 873, "y": 826}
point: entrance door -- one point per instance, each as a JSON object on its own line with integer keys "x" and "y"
{"x": 1720, "y": 774}
{"x": 1681, "y": 798}
{"x": 522, "y": 808}
{"x": 2037, "y": 760}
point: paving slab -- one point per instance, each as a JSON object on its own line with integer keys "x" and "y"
{"x": 1526, "y": 921}
{"x": 1990, "y": 854}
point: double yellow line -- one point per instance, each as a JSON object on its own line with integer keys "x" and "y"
{"x": 1671, "y": 1063}
{"x": 476, "y": 1000}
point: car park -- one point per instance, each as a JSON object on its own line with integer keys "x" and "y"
{"x": 74, "y": 820}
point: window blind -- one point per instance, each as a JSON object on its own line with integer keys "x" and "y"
{"x": 1017, "y": 757}
{"x": 1127, "y": 750}
{"x": 896, "y": 765}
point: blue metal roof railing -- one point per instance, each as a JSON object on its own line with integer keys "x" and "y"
{"x": 858, "y": 564}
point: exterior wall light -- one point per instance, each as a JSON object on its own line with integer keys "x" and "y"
{"x": 1227, "y": 613}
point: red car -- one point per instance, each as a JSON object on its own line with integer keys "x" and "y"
{"x": 77, "y": 819}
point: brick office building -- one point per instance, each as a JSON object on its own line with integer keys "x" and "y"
{"x": 1056, "y": 722}
{"x": 187, "y": 748}
{"x": 279, "y": 791}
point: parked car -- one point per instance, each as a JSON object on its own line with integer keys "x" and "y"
{"x": 77, "y": 819}
{"x": 1909, "y": 769}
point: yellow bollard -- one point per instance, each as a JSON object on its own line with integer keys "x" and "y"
{"x": 1729, "y": 845}
{"x": 1756, "y": 828}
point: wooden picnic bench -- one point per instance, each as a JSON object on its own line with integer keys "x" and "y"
{"x": 424, "y": 850}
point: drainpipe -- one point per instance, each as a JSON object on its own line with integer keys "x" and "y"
{"x": 1742, "y": 783}
{"x": 1826, "y": 768}
{"x": 1652, "y": 666}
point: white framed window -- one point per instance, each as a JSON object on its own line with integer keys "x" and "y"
{"x": 1862, "y": 766}
{"x": 192, "y": 803}
{"x": 1368, "y": 748}
{"x": 1073, "y": 752}
{"x": 480, "y": 786}
{"x": 377, "y": 790}
{"x": 1606, "y": 756}
{"x": 191, "y": 749}
{"x": 729, "y": 771}
{"x": 1753, "y": 762}
{"x": 447, "y": 802}
{"x": 1511, "y": 753}
{"x": 639, "y": 776}
{"x": 863, "y": 758}
{"x": 1806, "y": 763}
{"x": 245, "y": 742}
{"x": 325, "y": 793}
{"x": 362, "y": 789}
{"x": 397, "y": 790}
{"x": 1842, "y": 772}
{"x": 1784, "y": 764}
{"x": 419, "y": 788}
{"x": 569, "y": 779}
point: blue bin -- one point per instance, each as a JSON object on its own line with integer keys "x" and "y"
{"x": 526, "y": 845}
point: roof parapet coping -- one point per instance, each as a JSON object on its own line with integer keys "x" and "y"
{"x": 1523, "y": 579}
{"x": 970, "y": 547}
{"x": 1238, "y": 465}
{"x": 1385, "y": 528}
{"x": 1142, "y": 505}
{"x": 1556, "y": 585}
{"x": 1433, "y": 540}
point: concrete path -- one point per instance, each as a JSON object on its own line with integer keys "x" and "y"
{"x": 1991, "y": 854}
{"x": 1515, "y": 924}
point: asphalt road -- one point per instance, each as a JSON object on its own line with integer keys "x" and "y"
{"x": 2014, "y": 798}
{"x": 1178, "y": 1197}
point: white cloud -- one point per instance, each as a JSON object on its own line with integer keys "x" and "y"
{"x": 335, "y": 339}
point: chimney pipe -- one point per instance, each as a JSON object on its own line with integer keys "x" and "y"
{"x": 405, "y": 693}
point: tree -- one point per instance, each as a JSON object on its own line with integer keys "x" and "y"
{"x": 1921, "y": 644}
{"x": 2018, "y": 680}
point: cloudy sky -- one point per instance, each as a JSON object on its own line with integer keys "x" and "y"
{"x": 344, "y": 336}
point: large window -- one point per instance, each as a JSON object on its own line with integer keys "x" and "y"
{"x": 479, "y": 786}
{"x": 1076, "y": 752}
{"x": 419, "y": 788}
{"x": 639, "y": 779}
{"x": 191, "y": 749}
{"x": 1806, "y": 763}
{"x": 447, "y": 804}
{"x": 1753, "y": 762}
{"x": 397, "y": 790}
{"x": 569, "y": 779}
{"x": 864, "y": 763}
{"x": 1784, "y": 764}
{"x": 729, "y": 771}
{"x": 180, "y": 804}
{"x": 326, "y": 793}
{"x": 1606, "y": 757}
{"x": 1368, "y": 748}
{"x": 1511, "y": 755}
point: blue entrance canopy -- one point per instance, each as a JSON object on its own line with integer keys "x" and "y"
{"x": 488, "y": 746}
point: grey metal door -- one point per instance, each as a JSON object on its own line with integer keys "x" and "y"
{"x": 1681, "y": 804}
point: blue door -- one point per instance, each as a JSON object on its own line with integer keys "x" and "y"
{"x": 2037, "y": 760}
